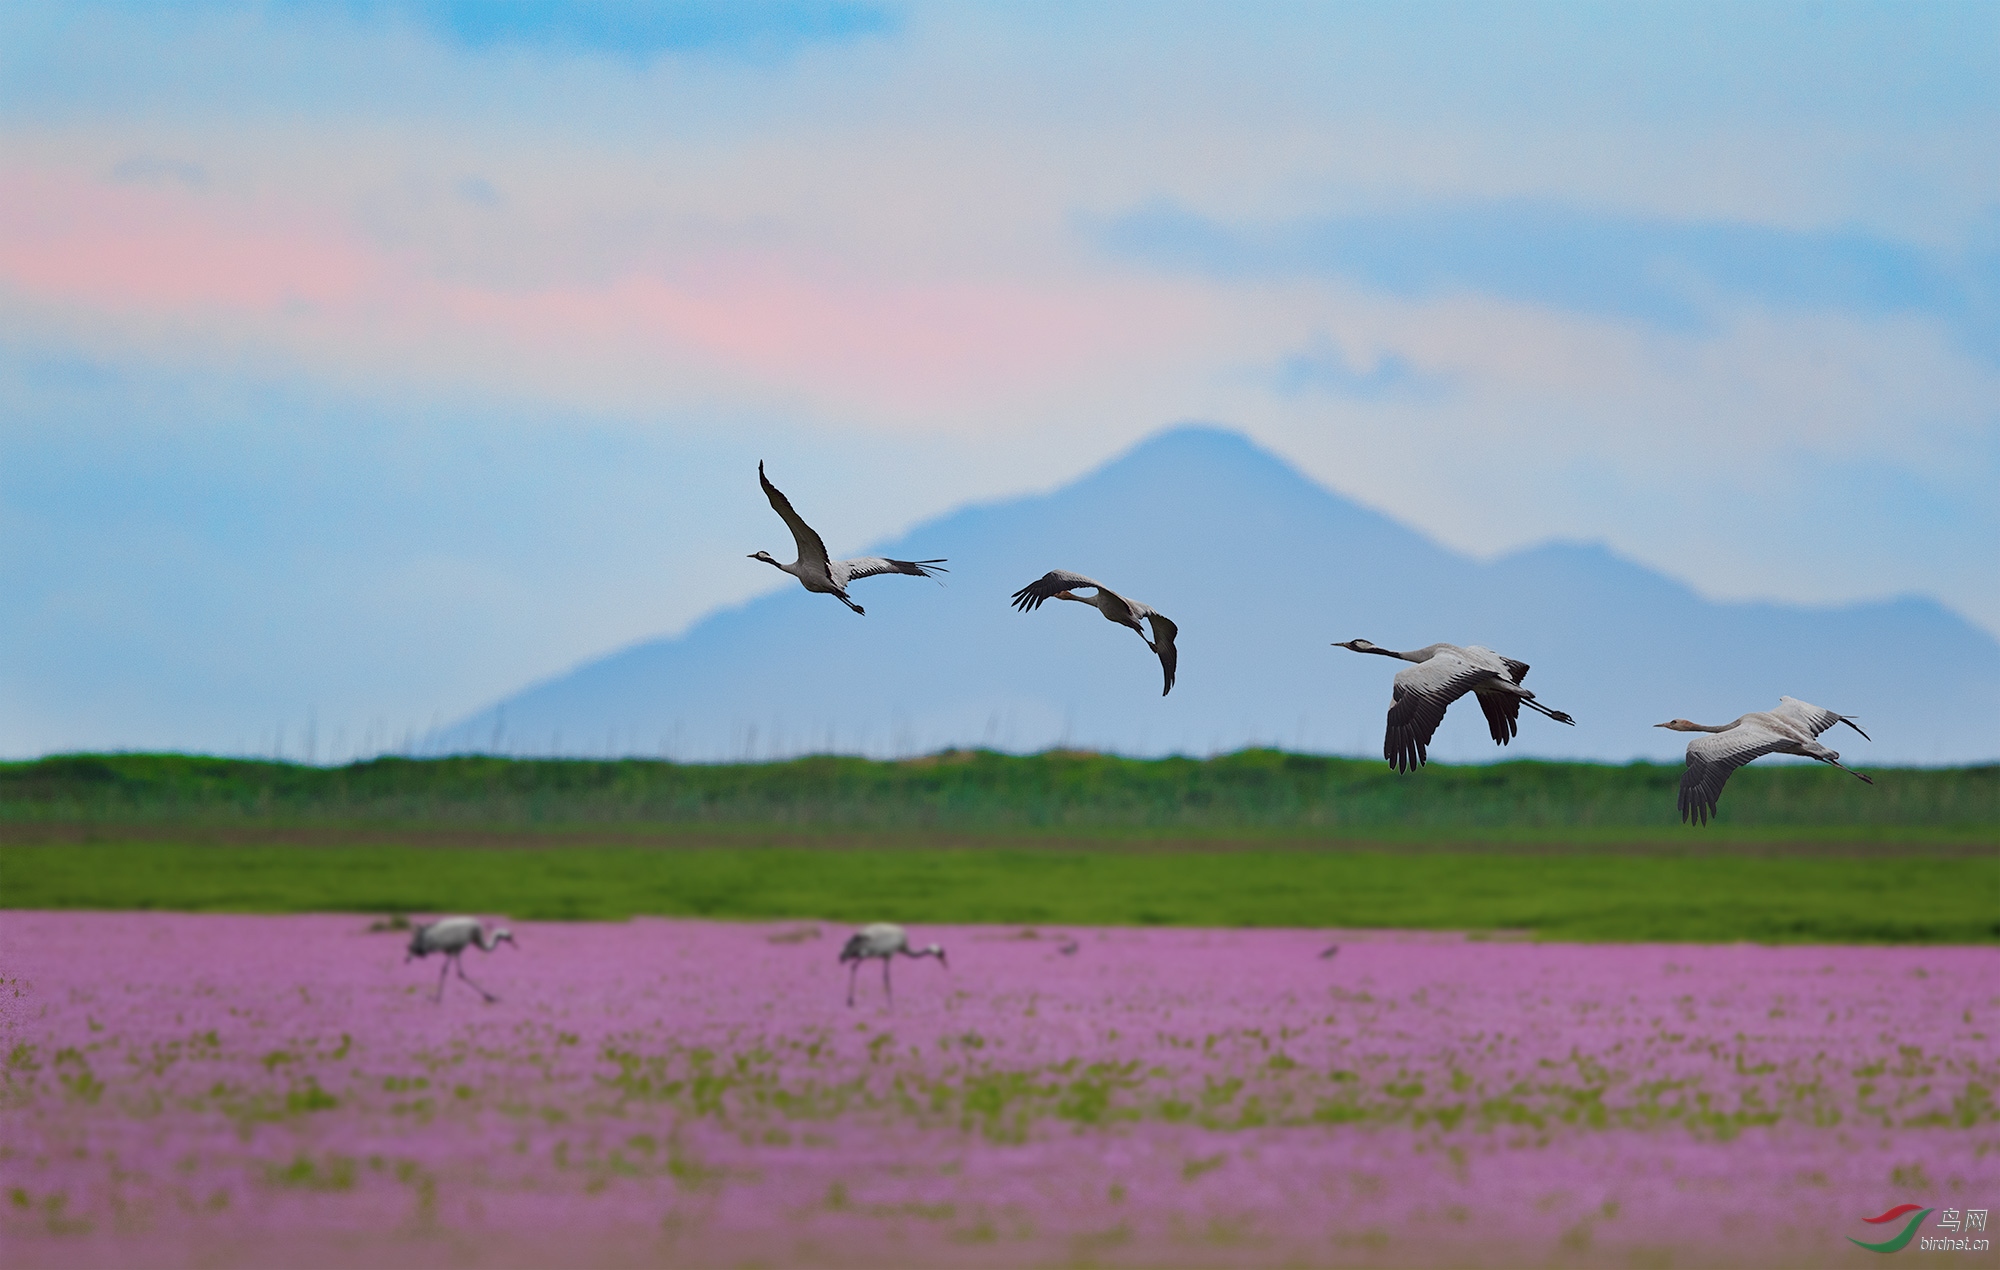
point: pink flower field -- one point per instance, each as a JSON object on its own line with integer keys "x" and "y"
{"x": 282, "y": 1090}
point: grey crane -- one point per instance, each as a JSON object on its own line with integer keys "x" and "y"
{"x": 1793, "y": 728}
{"x": 452, "y": 936}
{"x": 1443, "y": 673}
{"x": 1060, "y": 584}
{"x": 884, "y": 940}
{"x": 814, "y": 570}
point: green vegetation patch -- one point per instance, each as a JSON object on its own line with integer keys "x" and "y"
{"x": 1258, "y": 838}
{"x": 985, "y": 792}
{"x": 1555, "y": 895}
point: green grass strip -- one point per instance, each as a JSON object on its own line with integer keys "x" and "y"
{"x": 984, "y": 792}
{"x": 1583, "y": 896}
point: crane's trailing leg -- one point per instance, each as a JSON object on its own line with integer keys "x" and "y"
{"x": 885, "y": 984}
{"x": 1557, "y": 715}
{"x": 444, "y": 971}
{"x": 460, "y": 963}
{"x": 853, "y": 972}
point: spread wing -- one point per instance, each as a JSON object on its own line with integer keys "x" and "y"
{"x": 1710, "y": 760}
{"x": 1503, "y": 713}
{"x": 1163, "y": 644}
{"x": 1503, "y": 709}
{"x": 1422, "y": 694}
{"x": 1814, "y": 719}
{"x": 870, "y": 566}
{"x": 811, "y": 549}
{"x": 1030, "y": 597}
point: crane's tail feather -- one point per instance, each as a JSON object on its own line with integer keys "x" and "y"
{"x": 922, "y": 568}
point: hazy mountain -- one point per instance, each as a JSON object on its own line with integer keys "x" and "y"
{"x": 1262, "y": 569}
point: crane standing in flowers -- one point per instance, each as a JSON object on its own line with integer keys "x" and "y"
{"x": 884, "y": 940}
{"x": 452, "y": 936}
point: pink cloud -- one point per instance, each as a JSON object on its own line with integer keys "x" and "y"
{"x": 129, "y": 249}
{"x": 811, "y": 325}
{"x": 801, "y": 324}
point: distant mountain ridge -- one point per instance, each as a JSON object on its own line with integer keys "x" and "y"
{"x": 1262, "y": 569}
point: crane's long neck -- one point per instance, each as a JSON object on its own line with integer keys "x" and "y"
{"x": 486, "y": 942}
{"x": 1420, "y": 654}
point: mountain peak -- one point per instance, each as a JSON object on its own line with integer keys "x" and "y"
{"x": 1200, "y": 439}
{"x": 1216, "y": 474}
{"x": 1199, "y": 446}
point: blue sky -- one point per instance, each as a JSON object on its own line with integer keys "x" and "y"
{"x": 641, "y": 31}
{"x": 361, "y": 361}
{"x": 1676, "y": 275}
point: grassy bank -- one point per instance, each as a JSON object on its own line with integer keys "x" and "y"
{"x": 1570, "y": 895}
{"x": 1563, "y": 850}
{"x": 1252, "y": 792}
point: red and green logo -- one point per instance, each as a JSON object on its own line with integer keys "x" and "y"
{"x": 1894, "y": 1243}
